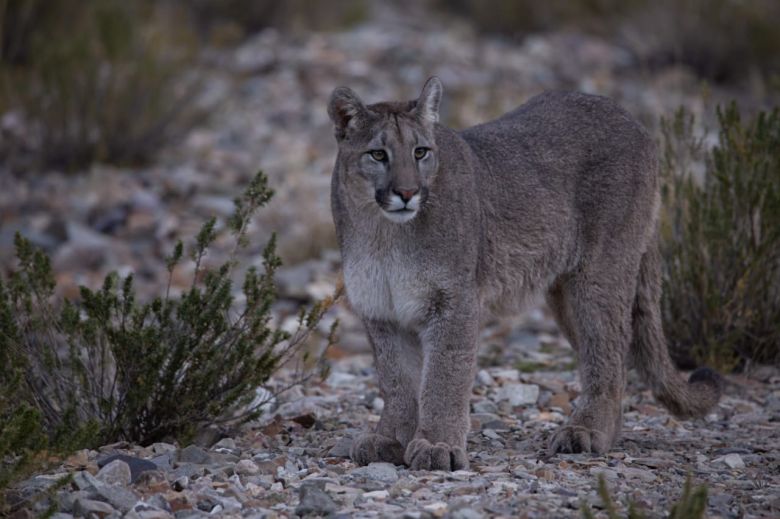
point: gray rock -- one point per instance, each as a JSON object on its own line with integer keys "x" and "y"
{"x": 163, "y": 461}
{"x": 86, "y": 481}
{"x": 190, "y": 470}
{"x": 246, "y": 468}
{"x": 466, "y": 513}
{"x": 484, "y": 406}
{"x": 342, "y": 448}
{"x": 194, "y": 454}
{"x": 88, "y": 507}
{"x": 115, "y": 473}
{"x": 382, "y": 472}
{"x": 137, "y": 465}
{"x": 119, "y": 497}
{"x": 147, "y": 511}
{"x": 733, "y": 461}
{"x": 518, "y": 394}
{"x": 315, "y": 501}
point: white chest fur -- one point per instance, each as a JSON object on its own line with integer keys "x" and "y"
{"x": 386, "y": 288}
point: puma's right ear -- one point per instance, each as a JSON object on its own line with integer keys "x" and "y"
{"x": 344, "y": 108}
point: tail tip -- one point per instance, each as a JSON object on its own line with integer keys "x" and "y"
{"x": 709, "y": 377}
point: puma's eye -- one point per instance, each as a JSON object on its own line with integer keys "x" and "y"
{"x": 378, "y": 155}
{"x": 420, "y": 153}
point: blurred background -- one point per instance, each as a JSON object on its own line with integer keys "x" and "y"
{"x": 124, "y": 125}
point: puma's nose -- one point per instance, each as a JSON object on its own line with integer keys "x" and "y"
{"x": 406, "y": 194}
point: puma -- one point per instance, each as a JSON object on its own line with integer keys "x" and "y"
{"x": 559, "y": 197}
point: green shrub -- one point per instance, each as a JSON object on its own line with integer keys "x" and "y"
{"x": 721, "y": 239}
{"x": 112, "y": 368}
{"x": 691, "y": 505}
{"x": 93, "y": 80}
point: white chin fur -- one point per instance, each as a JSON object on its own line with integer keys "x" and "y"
{"x": 399, "y": 216}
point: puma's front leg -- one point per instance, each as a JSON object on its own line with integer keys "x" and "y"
{"x": 398, "y": 360}
{"x": 449, "y": 348}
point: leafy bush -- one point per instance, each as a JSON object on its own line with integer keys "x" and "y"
{"x": 92, "y": 80}
{"x": 721, "y": 239}
{"x": 692, "y": 504}
{"x": 112, "y": 368}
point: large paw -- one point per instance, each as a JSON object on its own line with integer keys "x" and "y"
{"x": 575, "y": 438}
{"x": 371, "y": 447}
{"x": 423, "y": 455}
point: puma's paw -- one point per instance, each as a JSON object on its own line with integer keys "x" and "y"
{"x": 371, "y": 447}
{"x": 423, "y": 455}
{"x": 575, "y": 438}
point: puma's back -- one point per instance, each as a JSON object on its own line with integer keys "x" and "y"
{"x": 557, "y": 198}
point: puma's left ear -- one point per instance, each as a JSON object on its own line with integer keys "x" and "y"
{"x": 427, "y": 108}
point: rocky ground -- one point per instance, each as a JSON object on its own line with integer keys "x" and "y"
{"x": 294, "y": 462}
{"x": 267, "y": 99}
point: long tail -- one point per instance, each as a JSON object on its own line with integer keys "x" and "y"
{"x": 703, "y": 389}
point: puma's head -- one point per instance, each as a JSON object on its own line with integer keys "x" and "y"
{"x": 387, "y": 150}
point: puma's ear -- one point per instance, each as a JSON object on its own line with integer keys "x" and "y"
{"x": 344, "y": 108}
{"x": 427, "y": 107}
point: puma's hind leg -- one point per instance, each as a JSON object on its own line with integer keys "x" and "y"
{"x": 594, "y": 311}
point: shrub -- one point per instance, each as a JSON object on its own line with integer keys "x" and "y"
{"x": 92, "y": 80}
{"x": 721, "y": 239}
{"x": 691, "y": 505}
{"x": 112, "y": 368}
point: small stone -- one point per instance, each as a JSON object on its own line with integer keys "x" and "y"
{"x": 181, "y": 483}
{"x": 382, "y": 472}
{"x": 315, "y": 501}
{"x": 636, "y": 473}
{"x": 490, "y": 433}
{"x": 466, "y": 513}
{"x": 377, "y": 495}
{"x": 246, "y": 468}
{"x": 119, "y": 497}
{"x": 115, "y": 473}
{"x": 194, "y": 454}
{"x": 378, "y": 405}
{"x": 602, "y": 471}
{"x": 163, "y": 448}
{"x": 518, "y": 394}
{"x": 511, "y": 375}
{"x": 85, "y": 481}
{"x": 733, "y": 461}
{"x": 437, "y": 509}
{"x": 484, "y": 378}
{"x": 545, "y": 473}
{"x": 225, "y": 443}
{"x": 341, "y": 448}
{"x": 90, "y": 508}
{"x": 484, "y": 407}
{"x": 137, "y": 465}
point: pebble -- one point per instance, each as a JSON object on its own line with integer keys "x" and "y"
{"x": 247, "y": 467}
{"x": 519, "y": 394}
{"x": 194, "y": 454}
{"x": 116, "y": 472}
{"x": 382, "y": 472}
{"x": 315, "y": 501}
{"x": 733, "y": 461}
